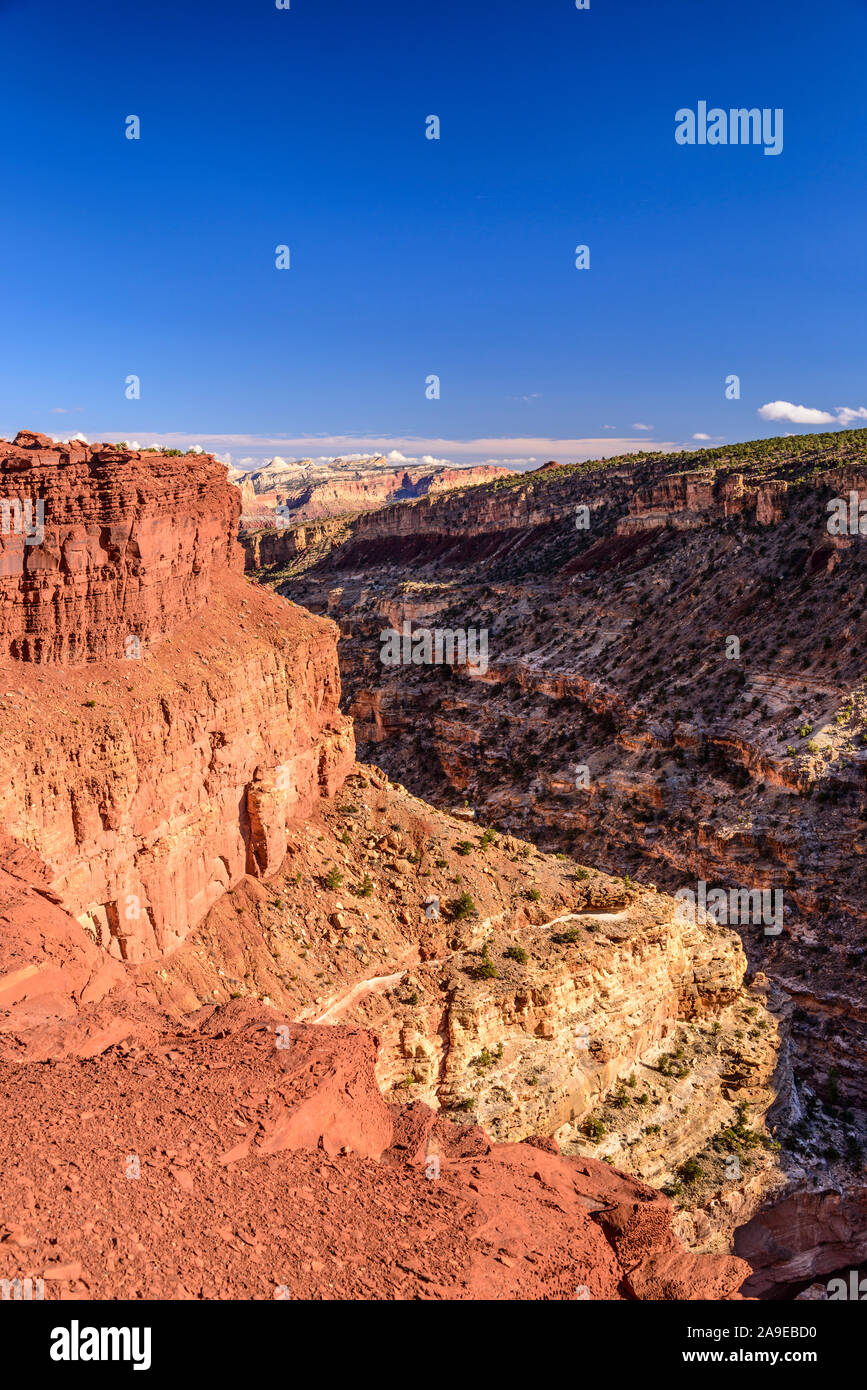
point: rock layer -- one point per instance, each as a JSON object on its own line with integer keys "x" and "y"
{"x": 130, "y": 544}
{"x": 152, "y": 777}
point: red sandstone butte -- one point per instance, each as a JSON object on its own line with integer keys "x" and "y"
{"x": 151, "y": 774}
{"x": 131, "y": 546}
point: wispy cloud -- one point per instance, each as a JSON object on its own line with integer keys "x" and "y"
{"x": 252, "y": 450}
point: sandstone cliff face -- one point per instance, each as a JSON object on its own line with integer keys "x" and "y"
{"x": 334, "y": 496}
{"x": 129, "y": 545}
{"x": 151, "y": 776}
{"x": 280, "y": 549}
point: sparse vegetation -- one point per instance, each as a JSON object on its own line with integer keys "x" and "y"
{"x": 462, "y": 907}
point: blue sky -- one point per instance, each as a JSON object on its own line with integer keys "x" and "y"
{"x": 412, "y": 257}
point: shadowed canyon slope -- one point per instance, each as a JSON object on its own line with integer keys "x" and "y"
{"x": 239, "y": 1054}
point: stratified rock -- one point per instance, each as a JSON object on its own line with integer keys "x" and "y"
{"x": 164, "y": 722}
{"x": 130, "y": 545}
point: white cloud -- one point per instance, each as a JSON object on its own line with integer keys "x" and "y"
{"x": 639, "y": 426}
{"x": 845, "y": 415}
{"x": 422, "y": 460}
{"x": 810, "y": 415}
{"x": 797, "y": 414}
{"x": 701, "y": 436}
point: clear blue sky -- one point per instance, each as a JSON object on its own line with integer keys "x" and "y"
{"x": 409, "y": 256}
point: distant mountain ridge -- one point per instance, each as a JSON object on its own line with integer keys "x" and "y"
{"x": 303, "y": 490}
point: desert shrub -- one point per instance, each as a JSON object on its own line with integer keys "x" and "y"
{"x": 461, "y": 907}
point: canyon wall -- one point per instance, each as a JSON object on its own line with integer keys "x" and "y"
{"x": 170, "y": 807}
{"x": 164, "y": 721}
{"x": 309, "y": 491}
{"x": 101, "y": 546}
{"x": 190, "y": 799}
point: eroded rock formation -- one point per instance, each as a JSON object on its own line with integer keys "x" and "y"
{"x": 164, "y": 721}
{"x": 102, "y": 547}
{"x": 311, "y": 491}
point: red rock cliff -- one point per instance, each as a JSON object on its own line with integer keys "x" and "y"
{"x": 150, "y": 777}
{"x": 99, "y": 545}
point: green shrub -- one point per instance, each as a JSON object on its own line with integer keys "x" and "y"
{"x": 517, "y": 953}
{"x": 690, "y": 1171}
{"x": 462, "y": 907}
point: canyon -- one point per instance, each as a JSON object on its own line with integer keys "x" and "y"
{"x": 244, "y": 978}
{"x": 423, "y": 1018}
{"x": 673, "y": 694}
